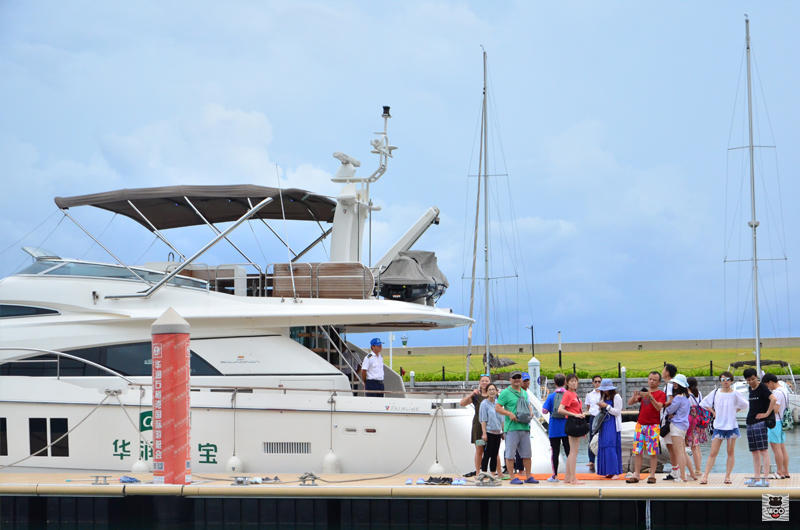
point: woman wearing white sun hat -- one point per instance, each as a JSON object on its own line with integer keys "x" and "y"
{"x": 679, "y": 422}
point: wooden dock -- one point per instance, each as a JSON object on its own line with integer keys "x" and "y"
{"x": 371, "y": 501}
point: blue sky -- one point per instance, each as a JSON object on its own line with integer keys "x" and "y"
{"x": 614, "y": 118}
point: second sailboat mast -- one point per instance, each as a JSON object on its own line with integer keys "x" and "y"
{"x": 485, "y": 147}
{"x": 753, "y": 224}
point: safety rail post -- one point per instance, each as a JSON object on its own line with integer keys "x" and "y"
{"x": 711, "y": 368}
{"x": 619, "y": 369}
{"x": 623, "y": 375}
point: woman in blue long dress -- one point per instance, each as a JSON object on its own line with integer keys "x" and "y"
{"x": 609, "y": 444}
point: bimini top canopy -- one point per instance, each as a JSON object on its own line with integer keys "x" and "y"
{"x": 167, "y": 207}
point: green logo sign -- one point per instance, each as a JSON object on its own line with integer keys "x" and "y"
{"x": 146, "y": 421}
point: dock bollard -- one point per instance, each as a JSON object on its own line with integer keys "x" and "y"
{"x": 171, "y": 398}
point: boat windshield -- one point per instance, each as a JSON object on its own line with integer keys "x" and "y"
{"x": 101, "y": 270}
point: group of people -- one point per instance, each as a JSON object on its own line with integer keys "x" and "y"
{"x": 507, "y": 415}
{"x": 680, "y": 415}
{"x": 500, "y": 416}
{"x": 671, "y": 407}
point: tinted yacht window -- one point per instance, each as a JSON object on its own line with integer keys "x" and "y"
{"x": 37, "y": 436}
{"x": 58, "y": 428}
{"x": 8, "y": 310}
{"x": 38, "y": 266}
{"x": 127, "y": 359}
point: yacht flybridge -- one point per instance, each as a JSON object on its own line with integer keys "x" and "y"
{"x": 275, "y": 386}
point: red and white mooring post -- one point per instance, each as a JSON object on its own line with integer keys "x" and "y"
{"x": 172, "y": 462}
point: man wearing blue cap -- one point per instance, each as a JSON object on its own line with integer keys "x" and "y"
{"x": 372, "y": 369}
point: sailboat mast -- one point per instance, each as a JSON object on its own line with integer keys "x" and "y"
{"x": 473, "y": 277}
{"x": 485, "y": 146}
{"x": 753, "y": 224}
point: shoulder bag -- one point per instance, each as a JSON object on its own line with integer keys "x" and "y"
{"x": 576, "y": 427}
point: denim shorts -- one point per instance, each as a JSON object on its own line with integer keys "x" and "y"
{"x": 726, "y": 434}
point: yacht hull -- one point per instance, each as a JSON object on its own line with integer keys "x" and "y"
{"x": 269, "y": 432}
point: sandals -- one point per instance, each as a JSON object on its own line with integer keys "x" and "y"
{"x": 634, "y": 480}
{"x": 728, "y": 481}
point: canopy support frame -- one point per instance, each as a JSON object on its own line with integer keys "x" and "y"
{"x": 149, "y": 292}
{"x": 156, "y": 231}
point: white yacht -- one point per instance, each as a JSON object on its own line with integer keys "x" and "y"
{"x": 275, "y": 386}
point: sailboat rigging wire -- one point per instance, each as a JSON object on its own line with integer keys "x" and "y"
{"x": 474, "y": 263}
{"x": 146, "y": 250}
{"x": 772, "y": 135}
{"x": 258, "y": 243}
{"x": 102, "y": 232}
{"x": 515, "y": 250}
{"x": 133, "y": 423}
{"x": 63, "y": 216}
{"x": 23, "y": 238}
{"x": 48, "y": 446}
{"x": 465, "y": 224}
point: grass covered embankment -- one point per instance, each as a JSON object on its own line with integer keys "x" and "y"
{"x": 638, "y": 363}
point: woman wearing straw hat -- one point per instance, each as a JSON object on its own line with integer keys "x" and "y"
{"x": 609, "y": 444}
{"x": 678, "y": 411}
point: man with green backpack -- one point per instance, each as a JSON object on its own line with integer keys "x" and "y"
{"x": 514, "y": 405}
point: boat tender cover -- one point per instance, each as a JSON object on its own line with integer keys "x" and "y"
{"x": 166, "y": 207}
{"x": 739, "y": 364}
{"x": 414, "y": 267}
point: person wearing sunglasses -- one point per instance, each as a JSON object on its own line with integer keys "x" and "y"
{"x": 723, "y": 403}
{"x": 518, "y": 437}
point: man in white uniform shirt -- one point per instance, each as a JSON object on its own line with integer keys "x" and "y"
{"x": 372, "y": 369}
{"x": 592, "y": 410}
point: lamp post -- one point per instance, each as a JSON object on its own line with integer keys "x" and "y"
{"x": 533, "y": 350}
{"x": 559, "y": 349}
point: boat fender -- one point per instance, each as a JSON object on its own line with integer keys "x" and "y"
{"x": 234, "y": 465}
{"x": 331, "y": 463}
{"x": 140, "y": 466}
{"x": 436, "y": 469}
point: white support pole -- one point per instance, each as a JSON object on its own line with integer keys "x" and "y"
{"x": 391, "y": 343}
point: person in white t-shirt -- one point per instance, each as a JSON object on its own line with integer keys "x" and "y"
{"x": 723, "y": 404}
{"x": 775, "y": 435}
{"x": 591, "y": 409}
